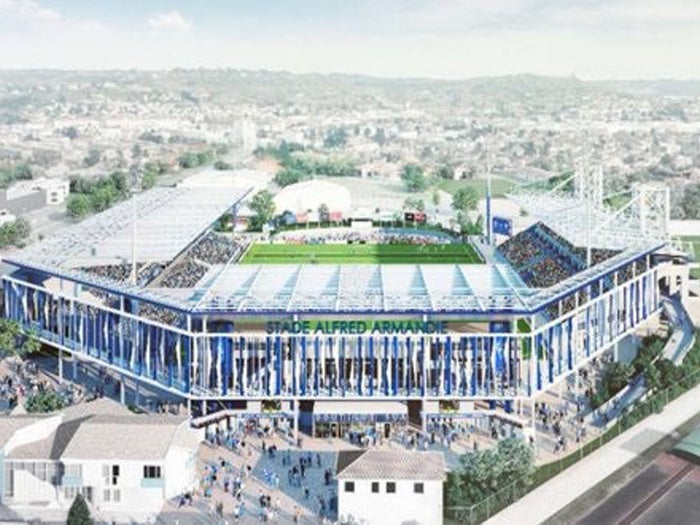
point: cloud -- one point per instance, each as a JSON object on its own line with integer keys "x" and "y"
{"x": 172, "y": 21}
{"x": 27, "y": 10}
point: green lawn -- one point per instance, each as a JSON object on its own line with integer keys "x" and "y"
{"x": 499, "y": 186}
{"x": 360, "y": 254}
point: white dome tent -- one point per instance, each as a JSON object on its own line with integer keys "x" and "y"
{"x": 307, "y": 196}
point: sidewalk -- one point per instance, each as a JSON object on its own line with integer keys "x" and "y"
{"x": 548, "y": 499}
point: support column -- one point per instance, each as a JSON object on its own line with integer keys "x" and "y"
{"x": 60, "y": 365}
{"x": 423, "y": 417}
{"x": 122, "y": 390}
{"x": 296, "y": 421}
{"x": 137, "y": 393}
{"x": 75, "y": 367}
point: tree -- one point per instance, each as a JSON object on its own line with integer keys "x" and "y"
{"x": 79, "y": 513}
{"x": 435, "y": 198}
{"x": 483, "y": 473}
{"x": 136, "y": 151}
{"x": 264, "y": 208}
{"x": 690, "y": 203}
{"x": 465, "y": 199}
{"x": 13, "y": 233}
{"x": 148, "y": 180}
{"x": 616, "y": 375}
{"x": 652, "y": 377}
{"x": 445, "y": 172}
{"x": 467, "y": 227}
{"x": 22, "y": 228}
{"x": 414, "y": 203}
{"x": 23, "y": 171}
{"x": 324, "y": 214}
{"x": 222, "y": 165}
{"x": 669, "y": 374}
{"x": 287, "y": 176}
{"x": 93, "y": 157}
{"x": 189, "y": 160}
{"x": 413, "y": 178}
{"x": 9, "y": 337}
{"x": 336, "y": 138}
{"x": 43, "y": 402}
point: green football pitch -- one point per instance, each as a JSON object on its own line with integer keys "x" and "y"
{"x": 361, "y": 254}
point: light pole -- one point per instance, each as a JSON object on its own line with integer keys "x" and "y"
{"x": 135, "y": 178}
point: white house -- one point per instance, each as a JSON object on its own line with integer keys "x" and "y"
{"x": 125, "y": 465}
{"x": 57, "y": 189}
{"x": 390, "y": 487}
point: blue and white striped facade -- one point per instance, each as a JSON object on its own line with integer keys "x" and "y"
{"x": 215, "y": 356}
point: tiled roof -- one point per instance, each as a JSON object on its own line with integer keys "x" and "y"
{"x": 102, "y": 429}
{"x": 390, "y": 465}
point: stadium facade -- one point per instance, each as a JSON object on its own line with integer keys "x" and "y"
{"x": 360, "y": 339}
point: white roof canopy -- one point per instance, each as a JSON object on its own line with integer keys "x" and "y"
{"x": 168, "y": 220}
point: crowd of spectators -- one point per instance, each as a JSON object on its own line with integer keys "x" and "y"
{"x": 211, "y": 249}
{"x": 184, "y": 274}
{"x": 160, "y": 314}
{"x": 21, "y": 379}
{"x": 374, "y": 236}
{"x": 122, "y": 273}
{"x": 544, "y": 258}
{"x": 217, "y": 249}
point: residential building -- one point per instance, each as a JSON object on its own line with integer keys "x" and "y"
{"x": 125, "y": 465}
{"x": 390, "y": 487}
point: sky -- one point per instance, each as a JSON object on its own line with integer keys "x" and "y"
{"x": 592, "y": 39}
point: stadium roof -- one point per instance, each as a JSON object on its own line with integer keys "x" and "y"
{"x": 168, "y": 220}
{"x": 576, "y": 220}
{"x": 357, "y": 287}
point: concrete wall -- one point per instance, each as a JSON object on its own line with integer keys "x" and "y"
{"x": 401, "y": 508}
{"x": 180, "y": 471}
{"x": 133, "y": 496}
{"x": 30, "y": 489}
{"x": 24, "y": 203}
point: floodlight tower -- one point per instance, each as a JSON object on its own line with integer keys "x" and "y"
{"x": 489, "y": 233}
{"x": 653, "y": 209}
{"x": 588, "y": 187}
{"x": 135, "y": 178}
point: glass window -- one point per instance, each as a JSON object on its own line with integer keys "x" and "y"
{"x": 418, "y": 488}
{"x": 151, "y": 472}
{"x": 106, "y": 495}
{"x": 349, "y": 486}
{"x": 77, "y": 470}
{"x": 116, "y": 496}
{"x": 390, "y": 487}
{"x": 375, "y": 487}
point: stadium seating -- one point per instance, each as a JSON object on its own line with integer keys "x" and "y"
{"x": 544, "y": 258}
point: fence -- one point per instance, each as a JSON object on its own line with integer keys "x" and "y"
{"x": 511, "y": 493}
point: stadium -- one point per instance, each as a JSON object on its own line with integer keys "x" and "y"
{"x": 353, "y": 325}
